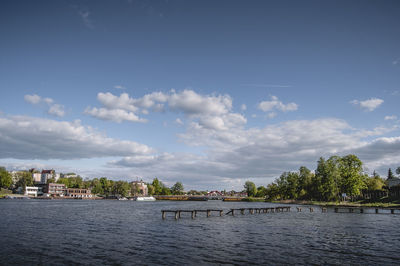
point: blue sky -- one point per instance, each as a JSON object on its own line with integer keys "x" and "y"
{"x": 210, "y": 93}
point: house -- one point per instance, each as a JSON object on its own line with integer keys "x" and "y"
{"x": 81, "y": 193}
{"x": 140, "y": 188}
{"x": 31, "y": 191}
{"x": 46, "y": 175}
{"x": 53, "y": 189}
{"x": 36, "y": 175}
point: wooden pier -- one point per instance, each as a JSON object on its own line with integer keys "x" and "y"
{"x": 193, "y": 212}
{"x": 259, "y": 210}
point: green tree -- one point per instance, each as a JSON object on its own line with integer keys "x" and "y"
{"x": 120, "y": 188}
{"x": 304, "y": 190}
{"x": 96, "y": 186}
{"x": 261, "y": 192}
{"x": 5, "y": 178}
{"x": 165, "y": 191}
{"x": 106, "y": 185}
{"x": 375, "y": 182}
{"x": 250, "y": 188}
{"x": 272, "y": 192}
{"x": 352, "y": 176}
{"x": 24, "y": 179}
{"x": 328, "y": 178}
{"x": 177, "y": 189}
{"x": 390, "y": 174}
{"x": 398, "y": 170}
{"x": 158, "y": 186}
{"x": 150, "y": 189}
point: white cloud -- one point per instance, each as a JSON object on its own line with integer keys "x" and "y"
{"x": 178, "y": 121}
{"x": 33, "y": 99}
{"x": 24, "y": 137}
{"x": 368, "y": 105}
{"x": 57, "y": 110}
{"x": 271, "y": 115}
{"x": 53, "y": 109}
{"x": 263, "y": 153}
{"x": 275, "y": 104}
{"x": 116, "y": 115}
{"x": 243, "y": 107}
{"x": 390, "y": 117}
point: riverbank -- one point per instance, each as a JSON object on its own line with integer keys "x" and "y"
{"x": 381, "y": 204}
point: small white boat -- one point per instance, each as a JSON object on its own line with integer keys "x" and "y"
{"x": 144, "y": 198}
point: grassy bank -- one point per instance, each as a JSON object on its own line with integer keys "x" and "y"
{"x": 382, "y": 203}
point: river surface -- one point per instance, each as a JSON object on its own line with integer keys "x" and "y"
{"x": 37, "y": 232}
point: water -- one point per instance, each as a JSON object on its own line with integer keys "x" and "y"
{"x": 125, "y": 233}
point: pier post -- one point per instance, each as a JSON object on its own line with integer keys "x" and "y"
{"x": 336, "y": 210}
{"x": 361, "y": 210}
{"x": 220, "y": 212}
{"x": 176, "y": 215}
{"x": 233, "y": 212}
{"x": 311, "y": 209}
{"x": 193, "y": 214}
{"x": 392, "y": 211}
{"x": 298, "y": 209}
{"x": 251, "y": 211}
{"x": 376, "y": 210}
{"x": 242, "y": 211}
{"x": 351, "y": 210}
{"x": 163, "y": 215}
{"x": 208, "y": 213}
{"x": 323, "y": 209}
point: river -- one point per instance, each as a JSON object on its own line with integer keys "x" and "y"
{"x": 34, "y": 232}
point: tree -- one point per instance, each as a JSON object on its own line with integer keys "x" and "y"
{"x": 121, "y": 188}
{"x": 177, "y": 189}
{"x": 398, "y": 170}
{"x": 272, "y": 192}
{"x": 5, "y": 178}
{"x": 375, "y": 183}
{"x": 165, "y": 190}
{"x": 328, "y": 178}
{"x": 150, "y": 189}
{"x": 261, "y": 191}
{"x": 390, "y": 174}
{"x": 250, "y": 188}
{"x": 158, "y": 186}
{"x": 96, "y": 186}
{"x": 353, "y": 178}
{"x": 24, "y": 179}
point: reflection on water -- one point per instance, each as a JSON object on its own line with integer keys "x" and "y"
{"x": 126, "y": 232}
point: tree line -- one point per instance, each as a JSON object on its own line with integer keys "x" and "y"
{"x": 333, "y": 179}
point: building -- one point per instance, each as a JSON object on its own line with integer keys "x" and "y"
{"x": 140, "y": 188}
{"x": 81, "y": 193}
{"x": 53, "y": 189}
{"x": 31, "y": 191}
{"x": 46, "y": 175}
{"x": 36, "y": 175}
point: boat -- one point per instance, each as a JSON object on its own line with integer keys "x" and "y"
{"x": 144, "y": 198}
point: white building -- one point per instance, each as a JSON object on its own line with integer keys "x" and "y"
{"x": 393, "y": 182}
{"x": 31, "y": 191}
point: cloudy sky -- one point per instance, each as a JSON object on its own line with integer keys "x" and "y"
{"x": 210, "y": 93}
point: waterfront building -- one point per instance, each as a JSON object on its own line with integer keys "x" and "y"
{"x": 54, "y": 189}
{"x": 78, "y": 193}
{"x": 140, "y": 187}
{"x": 31, "y": 191}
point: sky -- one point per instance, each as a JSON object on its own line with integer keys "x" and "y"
{"x": 208, "y": 93}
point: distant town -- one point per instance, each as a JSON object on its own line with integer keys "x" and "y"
{"x": 335, "y": 179}
{"x": 47, "y": 183}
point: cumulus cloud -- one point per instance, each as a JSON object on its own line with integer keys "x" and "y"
{"x": 243, "y": 107}
{"x": 263, "y": 153}
{"x": 275, "y": 104}
{"x": 368, "y": 105}
{"x": 33, "y": 99}
{"x": 116, "y": 115}
{"x": 53, "y": 109}
{"x": 211, "y": 111}
{"x": 24, "y": 137}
